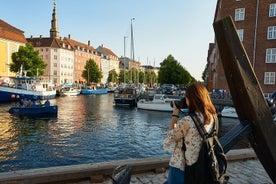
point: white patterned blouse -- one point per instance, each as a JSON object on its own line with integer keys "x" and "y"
{"x": 185, "y": 127}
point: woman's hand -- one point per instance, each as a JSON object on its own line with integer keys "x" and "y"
{"x": 175, "y": 109}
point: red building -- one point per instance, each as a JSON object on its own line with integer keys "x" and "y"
{"x": 255, "y": 22}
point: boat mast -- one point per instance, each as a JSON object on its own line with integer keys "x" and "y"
{"x": 131, "y": 49}
{"x": 125, "y": 59}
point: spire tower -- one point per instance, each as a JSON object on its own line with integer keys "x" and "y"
{"x": 54, "y": 33}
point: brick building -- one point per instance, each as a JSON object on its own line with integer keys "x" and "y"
{"x": 255, "y": 22}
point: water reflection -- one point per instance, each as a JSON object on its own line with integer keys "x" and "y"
{"x": 88, "y": 129}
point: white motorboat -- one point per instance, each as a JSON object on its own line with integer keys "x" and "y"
{"x": 70, "y": 91}
{"x": 160, "y": 102}
{"x": 229, "y": 112}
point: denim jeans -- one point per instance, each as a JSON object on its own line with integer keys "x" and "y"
{"x": 175, "y": 176}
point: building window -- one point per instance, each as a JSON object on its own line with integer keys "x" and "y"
{"x": 270, "y": 55}
{"x": 269, "y": 78}
{"x": 240, "y": 34}
{"x": 239, "y": 14}
{"x": 55, "y": 64}
{"x": 272, "y": 10}
{"x": 55, "y": 57}
{"x": 55, "y": 72}
{"x": 271, "y": 32}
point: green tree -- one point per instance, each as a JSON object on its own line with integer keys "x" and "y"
{"x": 91, "y": 72}
{"x": 29, "y": 59}
{"x": 121, "y": 76}
{"x": 171, "y": 71}
{"x": 142, "y": 77}
{"x": 151, "y": 77}
{"x": 112, "y": 76}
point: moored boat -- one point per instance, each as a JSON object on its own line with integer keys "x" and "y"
{"x": 160, "y": 102}
{"x": 26, "y": 87}
{"x": 70, "y": 91}
{"x": 37, "y": 110}
{"x": 126, "y": 96}
{"x": 229, "y": 112}
{"x": 94, "y": 91}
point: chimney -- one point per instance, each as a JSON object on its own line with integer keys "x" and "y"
{"x": 69, "y": 36}
{"x": 88, "y": 42}
{"x": 31, "y": 36}
{"x": 40, "y": 36}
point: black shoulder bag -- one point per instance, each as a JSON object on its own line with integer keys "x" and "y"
{"x": 211, "y": 165}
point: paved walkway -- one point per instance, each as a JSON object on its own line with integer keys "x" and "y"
{"x": 240, "y": 172}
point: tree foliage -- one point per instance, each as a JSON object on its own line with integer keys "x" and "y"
{"x": 92, "y": 72}
{"x": 29, "y": 59}
{"x": 171, "y": 71}
{"x": 112, "y": 76}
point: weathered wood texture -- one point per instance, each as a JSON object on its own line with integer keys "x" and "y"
{"x": 98, "y": 172}
{"x": 246, "y": 94}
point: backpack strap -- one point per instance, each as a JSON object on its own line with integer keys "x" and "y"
{"x": 200, "y": 127}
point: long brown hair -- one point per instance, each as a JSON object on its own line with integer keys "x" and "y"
{"x": 200, "y": 101}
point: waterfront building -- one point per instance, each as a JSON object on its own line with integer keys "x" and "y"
{"x": 57, "y": 53}
{"x": 109, "y": 61}
{"x": 11, "y": 38}
{"x": 83, "y": 52}
{"x": 255, "y": 22}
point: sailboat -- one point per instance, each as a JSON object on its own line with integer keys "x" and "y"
{"x": 127, "y": 95}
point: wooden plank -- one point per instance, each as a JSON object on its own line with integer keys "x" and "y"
{"x": 98, "y": 171}
{"x": 246, "y": 94}
{"x": 82, "y": 171}
{"x": 235, "y": 135}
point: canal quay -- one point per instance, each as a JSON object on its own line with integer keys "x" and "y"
{"x": 91, "y": 130}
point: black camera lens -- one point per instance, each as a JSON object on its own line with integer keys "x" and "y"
{"x": 180, "y": 104}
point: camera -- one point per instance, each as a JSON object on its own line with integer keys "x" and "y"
{"x": 180, "y": 104}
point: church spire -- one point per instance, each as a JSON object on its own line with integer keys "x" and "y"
{"x": 54, "y": 25}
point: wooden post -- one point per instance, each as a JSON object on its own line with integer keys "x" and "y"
{"x": 247, "y": 95}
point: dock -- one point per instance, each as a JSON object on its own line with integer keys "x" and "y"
{"x": 153, "y": 169}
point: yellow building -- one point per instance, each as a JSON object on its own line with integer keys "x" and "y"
{"x": 10, "y": 40}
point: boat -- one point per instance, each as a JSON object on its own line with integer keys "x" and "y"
{"x": 26, "y": 87}
{"x": 93, "y": 91}
{"x": 70, "y": 91}
{"x": 36, "y": 110}
{"x": 127, "y": 96}
{"x": 229, "y": 112}
{"x": 160, "y": 102}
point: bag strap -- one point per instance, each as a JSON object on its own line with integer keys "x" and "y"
{"x": 199, "y": 126}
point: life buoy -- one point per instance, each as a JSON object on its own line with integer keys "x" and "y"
{"x": 33, "y": 88}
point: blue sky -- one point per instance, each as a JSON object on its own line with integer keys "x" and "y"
{"x": 182, "y": 28}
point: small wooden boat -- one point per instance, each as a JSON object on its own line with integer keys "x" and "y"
{"x": 35, "y": 110}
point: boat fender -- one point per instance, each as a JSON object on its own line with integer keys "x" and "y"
{"x": 33, "y": 87}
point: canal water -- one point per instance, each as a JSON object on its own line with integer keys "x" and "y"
{"x": 88, "y": 129}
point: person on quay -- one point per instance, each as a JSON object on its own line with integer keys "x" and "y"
{"x": 183, "y": 133}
